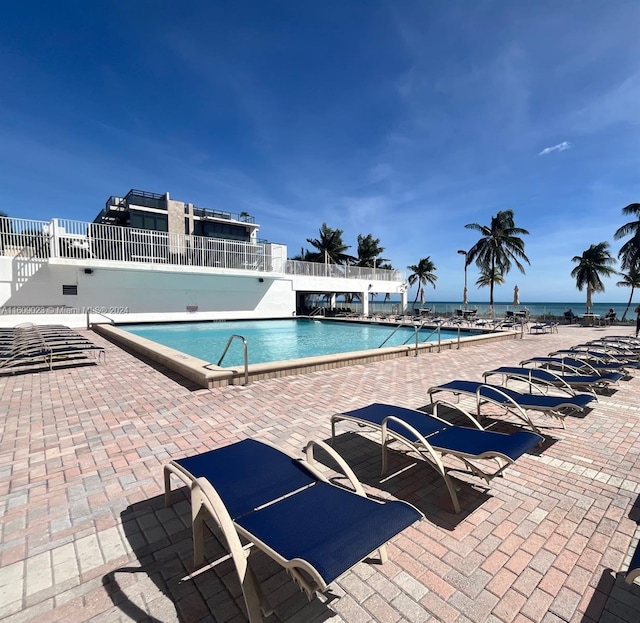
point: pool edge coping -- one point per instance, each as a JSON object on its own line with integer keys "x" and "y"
{"x": 207, "y": 375}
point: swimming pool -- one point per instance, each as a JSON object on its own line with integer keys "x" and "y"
{"x": 278, "y": 340}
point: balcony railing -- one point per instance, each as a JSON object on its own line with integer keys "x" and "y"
{"x": 63, "y": 238}
{"x": 343, "y": 271}
{"x": 205, "y": 213}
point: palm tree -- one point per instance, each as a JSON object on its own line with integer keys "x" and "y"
{"x": 630, "y": 279}
{"x": 369, "y": 251}
{"x": 629, "y": 253}
{"x": 422, "y": 273}
{"x": 486, "y": 278}
{"x": 499, "y": 247}
{"x": 593, "y": 264}
{"x": 329, "y": 247}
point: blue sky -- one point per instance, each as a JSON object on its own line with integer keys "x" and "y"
{"x": 403, "y": 119}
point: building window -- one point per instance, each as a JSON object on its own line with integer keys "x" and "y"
{"x": 148, "y": 220}
{"x": 73, "y": 290}
{"x": 224, "y": 231}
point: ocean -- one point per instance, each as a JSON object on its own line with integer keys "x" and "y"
{"x": 536, "y": 310}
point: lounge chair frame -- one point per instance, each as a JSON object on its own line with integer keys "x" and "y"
{"x": 28, "y": 345}
{"x": 430, "y": 452}
{"x": 206, "y": 501}
{"x": 536, "y": 378}
{"x": 508, "y": 404}
{"x": 574, "y": 365}
{"x": 486, "y": 393}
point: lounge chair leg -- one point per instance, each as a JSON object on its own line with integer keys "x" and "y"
{"x": 385, "y": 464}
{"x": 452, "y": 493}
{"x": 382, "y": 552}
{"x": 254, "y": 597}
{"x": 197, "y": 522}
{"x": 204, "y": 499}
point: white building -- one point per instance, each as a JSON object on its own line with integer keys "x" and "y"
{"x": 147, "y": 257}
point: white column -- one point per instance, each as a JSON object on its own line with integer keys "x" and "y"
{"x": 365, "y": 302}
{"x": 53, "y": 238}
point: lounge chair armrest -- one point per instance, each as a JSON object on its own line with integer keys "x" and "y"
{"x": 521, "y": 413}
{"x": 204, "y": 496}
{"x": 346, "y": 470}
{"x": 435, "y": 456}
{"x": 456, "y": 408}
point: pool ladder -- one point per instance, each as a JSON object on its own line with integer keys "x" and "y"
{"x": 246, "y": 355}
{"x": 416, "y": 330}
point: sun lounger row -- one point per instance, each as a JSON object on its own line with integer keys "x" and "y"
{"x": 37, "y": 345}
{"x": 259, "y": 496}
{"x": 315, "y": 529}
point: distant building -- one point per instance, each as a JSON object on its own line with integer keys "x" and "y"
{"x": 141, "y": 209}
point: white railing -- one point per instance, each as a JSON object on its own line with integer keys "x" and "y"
{"x": 64, "y": 238}
{"x": 315, "y": 269}
{"x": 24, "y": 237}
{"x": 80, "y": 240}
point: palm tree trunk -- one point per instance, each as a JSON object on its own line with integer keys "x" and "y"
{"x": 493, "y": 276}
{"x": 624, "y": 316}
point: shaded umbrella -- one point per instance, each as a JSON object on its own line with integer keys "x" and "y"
{"x": 421, "y": 296}
{"x": 465, "y": 297}
{"x": 516, "y": 296}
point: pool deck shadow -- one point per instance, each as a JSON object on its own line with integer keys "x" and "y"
{"x": 409, "y": 479}
{"x": 164, "y": 585}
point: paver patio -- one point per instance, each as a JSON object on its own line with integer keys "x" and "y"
{"x": 84, "y": 535}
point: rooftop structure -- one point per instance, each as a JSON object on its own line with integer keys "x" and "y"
{"x": 158, "y": 212}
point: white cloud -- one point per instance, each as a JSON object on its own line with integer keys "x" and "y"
{"x": 559, "y": 147}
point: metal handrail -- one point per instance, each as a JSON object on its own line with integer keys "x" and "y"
{"x": 399, "y": 326}
{"x": 93, "y": 311}
{"x": 246, "y": 356}
{"x": 438, "y": 328}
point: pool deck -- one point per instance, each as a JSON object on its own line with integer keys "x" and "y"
{"x": 85, "y": 537}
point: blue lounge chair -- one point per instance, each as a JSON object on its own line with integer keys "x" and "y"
{"x": 569, "y": 383}
{"x": 543, "y": 327}
{"x": 516, "y": 403}
{"x": 432, "y": 438}
{"x": 592, "y": 355}
{"x": 573, "y": 365}
{"x": 610, "y": 349}
{"x": 287, "y": 509}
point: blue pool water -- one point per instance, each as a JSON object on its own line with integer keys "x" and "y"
{"x": 275, "y": 340}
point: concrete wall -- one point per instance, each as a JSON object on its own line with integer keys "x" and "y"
{"x": 31, "y": 290}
